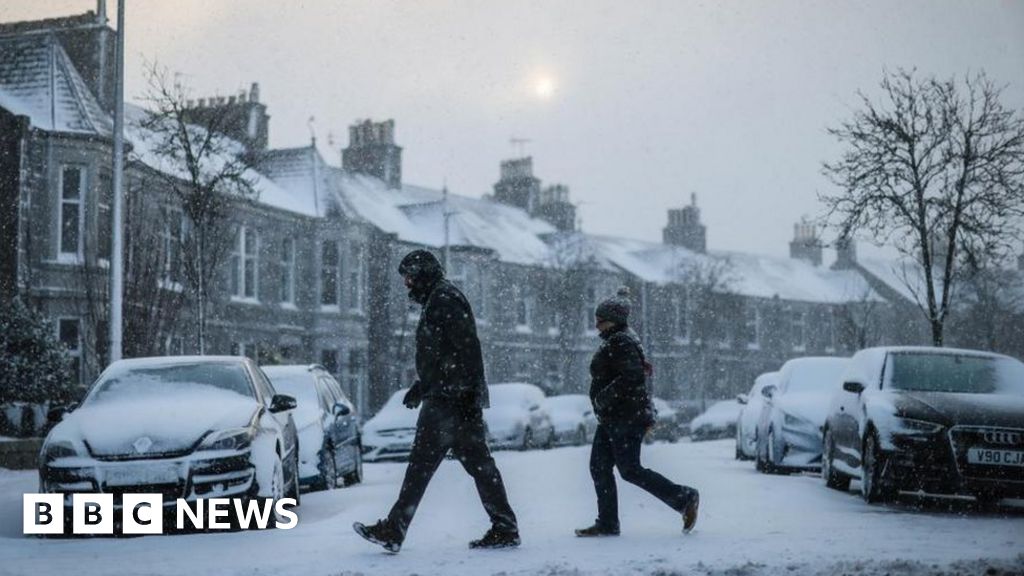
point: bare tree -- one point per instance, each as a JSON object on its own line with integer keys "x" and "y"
{"x": 935, "y": 168}
{"x": 859, "y": 318}
{"x": 571, "y": 263}
{"x": 207, "y": 171}
{"x": 990, "y": 311}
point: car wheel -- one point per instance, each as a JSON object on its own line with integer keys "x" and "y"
{"x": 276, "y": 491}
{"x": 356, "y": 475}
{"x": 295, "y": 489}
{"x": 328, "y": 469}
{"x": 770, "y": 465}
{"x": 581, "y": 436}
{"x": 527, "y": 439}
{"x": 833, "y": 478}
{"x": 739, "y": 451}
{"x": 872, "y": 488}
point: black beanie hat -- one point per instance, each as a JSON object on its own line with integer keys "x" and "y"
{"x": 616, "y": 308}
{"x": 421, "y": 265}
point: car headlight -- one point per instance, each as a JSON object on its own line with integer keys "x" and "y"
{"x": 795, "y": 421}
{"x": 231, "y": 439}
{"x": 59, "y": 449}
{"x": 912, "y": 427}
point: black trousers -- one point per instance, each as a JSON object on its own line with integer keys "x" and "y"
{"x": 617, "y": 444}
{"x": 443, "y": 426}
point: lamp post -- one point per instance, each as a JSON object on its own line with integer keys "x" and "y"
{"x": 117, "y": 239}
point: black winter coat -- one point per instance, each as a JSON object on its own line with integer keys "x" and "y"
{"x": 449, "y": 362}
{"x": 618, "y": 383}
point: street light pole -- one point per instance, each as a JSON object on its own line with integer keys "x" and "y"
{"x": 117, "y": 240}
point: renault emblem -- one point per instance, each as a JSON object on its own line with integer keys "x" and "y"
{"x": 142, "y": 444}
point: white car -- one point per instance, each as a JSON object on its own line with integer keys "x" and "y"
{"x": 573, "y": 418}
{"x": 185, "y": 427}
{"x": 389, "y": 434}
{"x": 746, "y": 426}
{"x": 718, "y": 421}
{"x": 666, "y": 426}
{"x": 516, "y": 417}
{"x": 790, "y": 428}
{"x": 330, "y": 453}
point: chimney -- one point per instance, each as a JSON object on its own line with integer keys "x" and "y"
{"x": 805, "y": 244}
{"x": 553, "y": 206}
{"x": 518, "y": 186}
{"x": 846, "y": 254}
{"x": 372, "y": 151}
{"x": 244, "y": 120}
{"x": 101, "y": 12}
{"x": 685, "y": 228}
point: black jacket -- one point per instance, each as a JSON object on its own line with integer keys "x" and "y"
{"x": 618, "y": 383}
{"x": 449, "y": 362}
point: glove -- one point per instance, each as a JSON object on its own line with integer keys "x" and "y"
{"x": 413, "y": 397}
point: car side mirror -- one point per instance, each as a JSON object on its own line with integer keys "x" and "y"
{"x": 853, "y": 387}
{"x": 56, "y": 413}
{"x": 768, "y": 391}
{"x": 742, "y": 398}
{"x": 282, "y": 403}
{"x": 341, "y": 409}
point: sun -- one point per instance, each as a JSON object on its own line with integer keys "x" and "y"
{"x": 544, "y": 87}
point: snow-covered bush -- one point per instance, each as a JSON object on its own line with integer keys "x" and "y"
{"x": 34, "y": 366}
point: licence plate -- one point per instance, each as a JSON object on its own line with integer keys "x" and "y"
{"x": 135, "y": 474}
{"x": 995, "y": 457}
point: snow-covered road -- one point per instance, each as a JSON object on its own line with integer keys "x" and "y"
{"x": 750, "y": 524}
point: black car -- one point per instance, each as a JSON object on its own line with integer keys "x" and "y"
{"x": 183, "y": 427}
{"x": 935, "y": 420}
{"x": 331, "y": 451}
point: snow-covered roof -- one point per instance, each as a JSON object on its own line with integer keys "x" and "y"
{"x": 753, "y": 275}
{"x": 904, "y": 276}
{"x": 416, "y": 215}
{"x": 312, "y": 186}
{"x": 38, "y": 80}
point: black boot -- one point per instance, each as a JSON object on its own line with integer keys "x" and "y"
{"x": 382, "y": 534}
{"x": 596, "y": 530}
{"x": 497, "y": 539}
{"x": 690, "y": 512}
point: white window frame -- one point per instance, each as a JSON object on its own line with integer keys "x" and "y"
{"x": 244, "y": 238}
{"x": 76, "y": 256}
{"x": 357, "y": 277}
{"x": 288, "y": 272}
{"x": 334, "y": 306}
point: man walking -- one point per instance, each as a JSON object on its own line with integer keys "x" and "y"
{"x": 453, "y": 391}
{"x": 618, "y": 391}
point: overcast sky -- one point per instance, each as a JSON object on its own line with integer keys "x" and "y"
{"x": 634, "y": 105}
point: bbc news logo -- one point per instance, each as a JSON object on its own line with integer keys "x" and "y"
{"x": 144, "y": 513}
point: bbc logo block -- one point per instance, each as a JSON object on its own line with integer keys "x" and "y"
{"x": 43, "y": 513}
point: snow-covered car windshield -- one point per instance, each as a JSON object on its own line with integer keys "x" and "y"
{"x": 171, "y": 379}
{"x": 299, "y": 386}
{"x": 955, "y": 373}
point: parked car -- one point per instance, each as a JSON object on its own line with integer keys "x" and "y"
{"x": 517, "y": 418}
{"x": 667, "y": 425}
{"x": 330, "y": 448}
{"x": 573, "y": 418}
{"x": 718, "y": 421}
{"x": 789, "y": 429}
{"x": 750, "y": 413}
{"x": 389, "y": 434}
{"x": 184, "y": 427}
{"x": 928, "y": 419}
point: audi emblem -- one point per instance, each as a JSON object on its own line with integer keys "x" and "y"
{"x": 1002, "y": 437}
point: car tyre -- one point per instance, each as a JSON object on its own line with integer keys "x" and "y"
{"x": 833, "y": 478}
{"x": 527, "y": 440}
{"x": 769, "y": 466}
{"x": 356, "y": 475}
{"x": 872, "y": 488}
{"x": 328, "y": 469}
{"x": 581, "y": 436}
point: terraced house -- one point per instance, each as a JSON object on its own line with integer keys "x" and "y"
{"x": 308, "y": 270}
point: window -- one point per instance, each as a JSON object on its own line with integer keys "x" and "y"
{"x": 288, "y": 271}
{"x": 330, "y": 273}
{"x": 799, "y": 331}
{"x": 72, "y": 186}
{"x": 69, "y": 334}
{"x": 830, "y": 331}
{"x": 752, "y": 326}
{"x": 174, "y": 346}
{"x": 681, "y": 317}
{"x": 245, "y": 264}
{"x": 170, "y": 246}
{"x": 105, "y": 223}
{"x": 524, "y": 312}
{"x": 329, "y": 359}
{"x": 357, "y": 268}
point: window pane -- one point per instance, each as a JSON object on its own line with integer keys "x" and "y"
{"x": 250, "y": 278}
{"x": 72, "y": 183}
{"x": 69, "y": 227}
{"x": 69, "y": 336}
